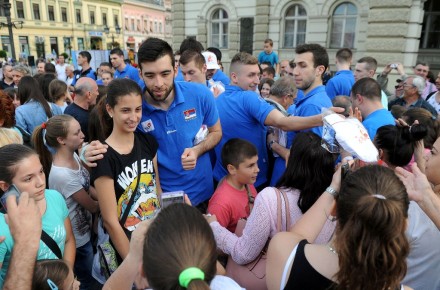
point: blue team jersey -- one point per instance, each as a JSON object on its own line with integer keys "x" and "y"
{"x": 271, "y": 57}
{"x": 242, "y": 114}
{"x": 340, "y": 84}
{"x": 174, "y": 130}
{"x": 376, "y": 120}
{"x": 220, "y": 76}
{"x": 128, "y": 72}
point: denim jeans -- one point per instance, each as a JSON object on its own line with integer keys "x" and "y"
{"x": 83, "y": 265}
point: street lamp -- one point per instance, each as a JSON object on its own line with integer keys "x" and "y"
{"x": 107, "y": 32}
{"x": 17, "y": 24}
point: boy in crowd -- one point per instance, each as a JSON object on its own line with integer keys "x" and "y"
{"x": 268, "y": 55}
{"x": 234, "y": 197}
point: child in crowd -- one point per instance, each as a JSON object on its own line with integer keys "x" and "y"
{"x": 268, "y": 55}
{"x": 126, "y": 179}
{"x": 59, "y": 94}
{"x": 20, "y": 166}
{"x": 234, "y": 197}
{"x": 49, "y": 274}
{"x": 107, "y": 77}
{"x": 62, "y": 135}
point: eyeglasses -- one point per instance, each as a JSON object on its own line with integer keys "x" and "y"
{"x": 408, "y": 85}
{"x": 398, "y": 86}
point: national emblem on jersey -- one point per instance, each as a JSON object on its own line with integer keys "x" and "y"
{"x": 148, "y": 125}
{"x": 190, "y": 114}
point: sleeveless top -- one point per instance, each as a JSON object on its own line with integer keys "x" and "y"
{"x": 303, "y": 275}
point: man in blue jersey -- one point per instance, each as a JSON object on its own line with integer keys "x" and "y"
{"x": 84, "y": 58}
{"x": 174, "y": 113}
{"x": 122, "y": 70}
{"x": 340, "y": 84}
{"x": 244, "y": 114}
{"x": 311, "y": 61}
{"x": 366, "y": 96}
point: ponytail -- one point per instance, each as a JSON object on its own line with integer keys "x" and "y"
{"x": 372, "y": 210}
{"x": 399, "y": 142}
{"x": 45, "y": 138}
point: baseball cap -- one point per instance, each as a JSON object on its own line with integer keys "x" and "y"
{"x": 211, "y": 60}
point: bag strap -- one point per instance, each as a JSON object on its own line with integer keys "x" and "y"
{"x": 131, "y": 201}
{"x": 281, "y": 194}
{"x": 51, "y": 244}
{"x": 251, "y": 199}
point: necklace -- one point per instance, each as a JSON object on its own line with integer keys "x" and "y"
{"x": 332, "y": 250}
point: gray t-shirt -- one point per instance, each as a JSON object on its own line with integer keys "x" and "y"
{"x": 67, "y": 182}
{"x": 424, "y": 257}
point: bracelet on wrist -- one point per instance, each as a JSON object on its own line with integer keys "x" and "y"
{"x": 333, "y": 192}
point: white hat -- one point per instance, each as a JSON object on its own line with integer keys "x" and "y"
{"x": 211, "y": 60}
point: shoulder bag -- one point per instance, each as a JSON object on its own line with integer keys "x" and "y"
{"x": 253, "y": 275}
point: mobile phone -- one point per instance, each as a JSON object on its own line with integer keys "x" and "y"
{"x": 345, "y": 170}
{"x": 168, "y": 198}
{"x": 393, "y": 65}
{"x": 12, "y": 190}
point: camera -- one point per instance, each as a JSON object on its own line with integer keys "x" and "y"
{"x": 12, "y": 190}
{"x": 393, "y": 65}
{"x": 168, "y": 198}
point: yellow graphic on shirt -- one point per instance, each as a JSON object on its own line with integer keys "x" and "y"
{"x": 145, "y": 202}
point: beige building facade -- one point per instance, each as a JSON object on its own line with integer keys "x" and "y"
{"x": 405, "y": 31}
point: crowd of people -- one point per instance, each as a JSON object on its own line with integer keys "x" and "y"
{"x": 87, "y": 159}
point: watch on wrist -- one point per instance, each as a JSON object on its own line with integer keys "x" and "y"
{"x": 271, "y": 143}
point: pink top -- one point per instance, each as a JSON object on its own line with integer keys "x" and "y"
{"x": 230, "y": 204}
{"x": 261, "y": 226}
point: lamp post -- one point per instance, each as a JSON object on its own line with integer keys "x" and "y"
{"x": 17, "y": 24}
{"x": 107, "y": 32}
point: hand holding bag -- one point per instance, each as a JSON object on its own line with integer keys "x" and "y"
{"x": 252, "y": 276}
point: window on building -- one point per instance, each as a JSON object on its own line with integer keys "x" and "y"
{"x": 104, "y": 19}
{"x": 295, "y": 24}
{"x": 151, "y": 26}
{"x": 6, "y": 44}
{"x": 92, "y": 17}
{"x": 127, "y": 24}
{"x": 431, "y": 25}
{"x": 116, "y": 20}
{"x": 219, "y": 29}
{"x": 160, "y": 27}
{"x": 20, "y": 9}
{"x": 2, "y": 11}
{"x": 132, "y": 25}
{"x": 36, "y": 9}
{"x": 78, "y": 16}
{"x": 80, "y": 43}
{"x": 343, "y": 28}
{"x": 51, "y": 13}
{"x": 145, "y": 25}
{"x": 64, "y": 14}
{"x": 138, "y": 25}
{"x": 24, "y": 44}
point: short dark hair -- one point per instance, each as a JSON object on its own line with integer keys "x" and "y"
{"x": 371, "y": 62}
{"x": 105, "y": 63}
{"x": 344, "y": 55}
{"x": 268, "y": 40}
{"x": 236, "y": 150}
{"x": 367, "y": 88}
{"x": 117, "y": 51}
{"x": 270, "y": 70}
{"x": 86, "y": 54}
{"x": 215, "y": 51}
{"x": 320, "y": 55}
{"x": 342, "y": 102}
{"x": 49, "y": 68}
{"x": 191, "y": 55}
{"x": 190, "y": 43}
{"x": 152, "y": 49}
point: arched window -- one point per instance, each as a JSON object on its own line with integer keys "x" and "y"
{"x": 431, "y": 25}
{"x": 295, "y": 24}
{"x": 219, "y": 29}
{"x": 344, "y": 20}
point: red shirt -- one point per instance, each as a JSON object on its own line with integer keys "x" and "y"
{"x": 230, "y": 204}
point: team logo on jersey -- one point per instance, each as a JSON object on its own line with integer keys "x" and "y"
{"x": 190, "y": 114}
{"x": 148, "y": 125}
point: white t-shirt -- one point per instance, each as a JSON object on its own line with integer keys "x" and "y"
{"x": 67, "y": 182}
{"x": 61, "y": 72}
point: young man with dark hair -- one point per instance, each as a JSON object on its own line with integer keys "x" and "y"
{"x": 366, "y": 96}
{"x": 343, "y": 80}
{"x": 84, "y": 58}
{"x": 245, "y": 115}
{"x": 193, "y": 67}
{"x": 61, "y": 68}
{"x": 311, "y": 61}
{"x": 123, "y": 70}
{"x": 230, "y": 201}
{"x": 103, "y": 67}
{"x": 268, "y": 73}
{"x": 366, "y": 68}
{"x": 187, "y": 44}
